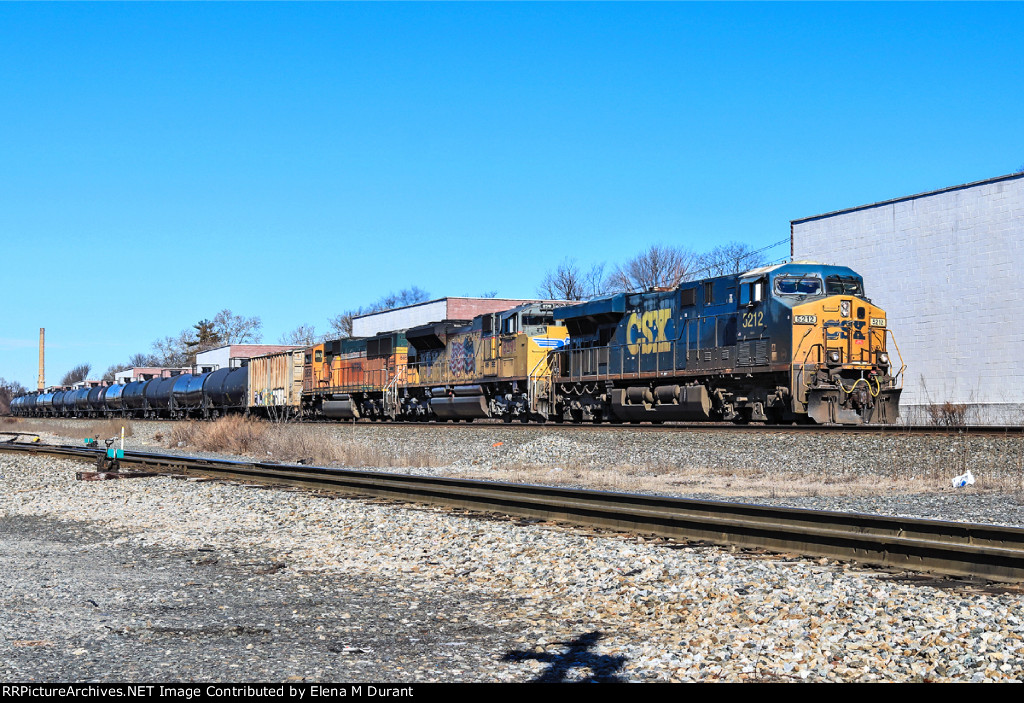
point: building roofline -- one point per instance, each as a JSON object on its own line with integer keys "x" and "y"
{"x": 997, "y": 179}
{"x": 448, "y": 297}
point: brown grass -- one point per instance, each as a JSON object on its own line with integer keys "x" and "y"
{"x": 947, "y": 414}
{"x": 263, "y": 440}
{"x": 676, "y": 480}
{"x": 104, "y": 429}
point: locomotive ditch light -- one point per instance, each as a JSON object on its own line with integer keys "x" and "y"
{"x": 834, "y": 357}
{"x": 883, "y": 359}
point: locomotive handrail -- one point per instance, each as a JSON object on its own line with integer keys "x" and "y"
{"x": 816, "y": 345}
{"x": 531, "y": 380}
{"x": 903, "y": 366}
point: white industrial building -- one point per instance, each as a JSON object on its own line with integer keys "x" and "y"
{"x": 439, "y": 310}
{"x": 946, "y": 266}
{"x": 233, "y": 356}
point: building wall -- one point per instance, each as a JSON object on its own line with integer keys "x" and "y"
{"x": 214, "y": 358}
{"x": 233, "y": 355}
{"x": 400, "y": 318}
{"x": 431, "y": 311}
{"x": 946, "y": 267}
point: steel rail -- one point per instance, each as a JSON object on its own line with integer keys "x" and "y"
{"x": 961, "y": 549}
{"x": 936, "y": 430}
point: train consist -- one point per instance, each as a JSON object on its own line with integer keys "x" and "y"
{"x": 795, "y": 342}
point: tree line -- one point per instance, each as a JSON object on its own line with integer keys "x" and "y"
{"x": 658, "y": 266}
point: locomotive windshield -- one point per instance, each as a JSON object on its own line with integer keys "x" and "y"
{"x": 844, "y": 285}
{"x": 798, "y": 285}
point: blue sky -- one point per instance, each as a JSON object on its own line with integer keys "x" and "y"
{"x": 160, "y": 162}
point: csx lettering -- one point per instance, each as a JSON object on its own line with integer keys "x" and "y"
{"x": 841, "y": 329}
{"x": 646, "y": 333}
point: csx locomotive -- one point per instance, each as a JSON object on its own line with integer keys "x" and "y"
{"x": 796, "y": 342}
{"x": 793, "y": 342}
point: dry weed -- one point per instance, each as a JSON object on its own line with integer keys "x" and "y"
{"x": 947, "y": 414}
{"x": 112, "y": 428}
{"x": 287, "y": 443}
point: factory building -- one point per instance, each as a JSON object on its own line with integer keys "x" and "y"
{"x": 440, "y": 310}
{"x": 946, "y": 266}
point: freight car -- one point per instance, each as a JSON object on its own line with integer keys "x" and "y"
{"x": 796, "y": 342}
{"x": 207, "y": 395}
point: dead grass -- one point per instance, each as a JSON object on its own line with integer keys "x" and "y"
{"x": 287, "y": 443}
{"x": 104, "y": 429}
{"x": 629, "y": 479}
{"x": 947, "y": 414}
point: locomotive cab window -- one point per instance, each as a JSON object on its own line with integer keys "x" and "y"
{"x": 752, "y": 292}
{"x": 844, "y": 285}
{"x": 798, "y": 285}
{"x": 538, "y": 320}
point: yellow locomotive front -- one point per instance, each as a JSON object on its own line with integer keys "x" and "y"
{"x": 843, "y": 370}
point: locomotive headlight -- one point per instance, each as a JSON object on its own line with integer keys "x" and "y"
{"x": 833, "y": 356}
{"x": 844, "y": 308}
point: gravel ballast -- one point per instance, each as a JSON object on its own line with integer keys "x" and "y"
{"x": 168, "y": 579}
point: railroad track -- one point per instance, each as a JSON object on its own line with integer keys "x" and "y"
{"x": 926, "y": 430}
{"x": 959, "y": 549}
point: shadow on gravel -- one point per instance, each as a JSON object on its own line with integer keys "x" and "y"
{"x": 603, "y": 668}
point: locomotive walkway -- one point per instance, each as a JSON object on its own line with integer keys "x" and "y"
{"x": 961, "y": 549}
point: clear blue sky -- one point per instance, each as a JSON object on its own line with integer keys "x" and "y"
{"x": 160, "y": 162}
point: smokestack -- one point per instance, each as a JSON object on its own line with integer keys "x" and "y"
{"x": 42, "y": 339}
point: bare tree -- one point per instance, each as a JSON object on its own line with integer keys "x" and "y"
{"x": 109, "y": 374}
{"x": 143, "y": 360}
{"x": 180, "y": 350}
{"x": 406, "y": 296}
{"x": 172, "y": 351}
{"x": 303, "y": 334}
{"x": 658, "y": 267}
{"x": 235, "y": 329}
{"x": 570, "y": 282}
{"x": 341, "y": 324}
{"x": 8, "y": 391}
{"x": 734, "y": 257}
{"x": 79, "y": 373}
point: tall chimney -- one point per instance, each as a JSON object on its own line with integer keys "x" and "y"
{"x": 42, "y": 377}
